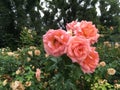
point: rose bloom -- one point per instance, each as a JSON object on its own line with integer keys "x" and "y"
{"x": 117, "y": 45}
{"x": 17, "y": 85}
{"x": 90, "y": 62}
{"x": 37, "y": 52}
{"x": 111, "y": 71}
{"x": 111, "y": 28}
{"x": 102, "y": 64}
{"x": 38, "y": 72}
{"x": 107, "y": 43}
{"x": 84, "y": 28}
{"x": 30, "y": 53}
{"x": 32, "y": 47}
{"x": 55, "y": 42}
{"x": 18, "y": 72}
{"x": 117, "y": 86}
{"x": 10, "y": 53}
{"x": 89, "y": 31}
{"x": 5, "y": 82}
{"x": 78, "y": 48}
{"x": 71, "y": 27}
{"x": 28, "y": 83}
{"x": 28, "y": 59}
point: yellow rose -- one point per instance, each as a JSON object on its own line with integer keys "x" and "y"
{"x": 37, "y": 52}
{"x": 111, "y": 71}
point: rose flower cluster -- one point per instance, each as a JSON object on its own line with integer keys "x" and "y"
{"x": 76, "y": 43}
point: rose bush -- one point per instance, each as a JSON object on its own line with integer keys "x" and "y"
{"x": 76, "y": 67}
{"x": 76, "y": 43}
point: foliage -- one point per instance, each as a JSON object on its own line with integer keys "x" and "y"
{"x": 16, "y": 14}
{"x": 108, "y": 34}
{"x": 29, "y": 37}
{"x": 108, "y": 20}
{"x": 56, "y": 73}
{"x": 107, "y": 8}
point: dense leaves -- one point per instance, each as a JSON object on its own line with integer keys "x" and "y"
{"x": 41, "y": 15}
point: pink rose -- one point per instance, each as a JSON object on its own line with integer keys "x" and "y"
{"x": 55, "y": 42}
{"x": 78, "y": 48}
{"x": 71, "y": 27}
{"x": 84, "y": 28}
{"x": 38, "y": 72}
{"x": 90, "y": 62}
{"x": 89, "y": 31}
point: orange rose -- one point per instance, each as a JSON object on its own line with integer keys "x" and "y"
{"x": 78, "y": 48}
{"x": 84, "y": 28}
{"x": 55, "y": 42}
{"x": 90, "y": 62}
{"x": 71, "y": 27}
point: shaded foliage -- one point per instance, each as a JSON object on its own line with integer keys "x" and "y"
{"x": 42, "y": 15}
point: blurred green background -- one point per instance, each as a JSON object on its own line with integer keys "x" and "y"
{"x": 41, "y": 15}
